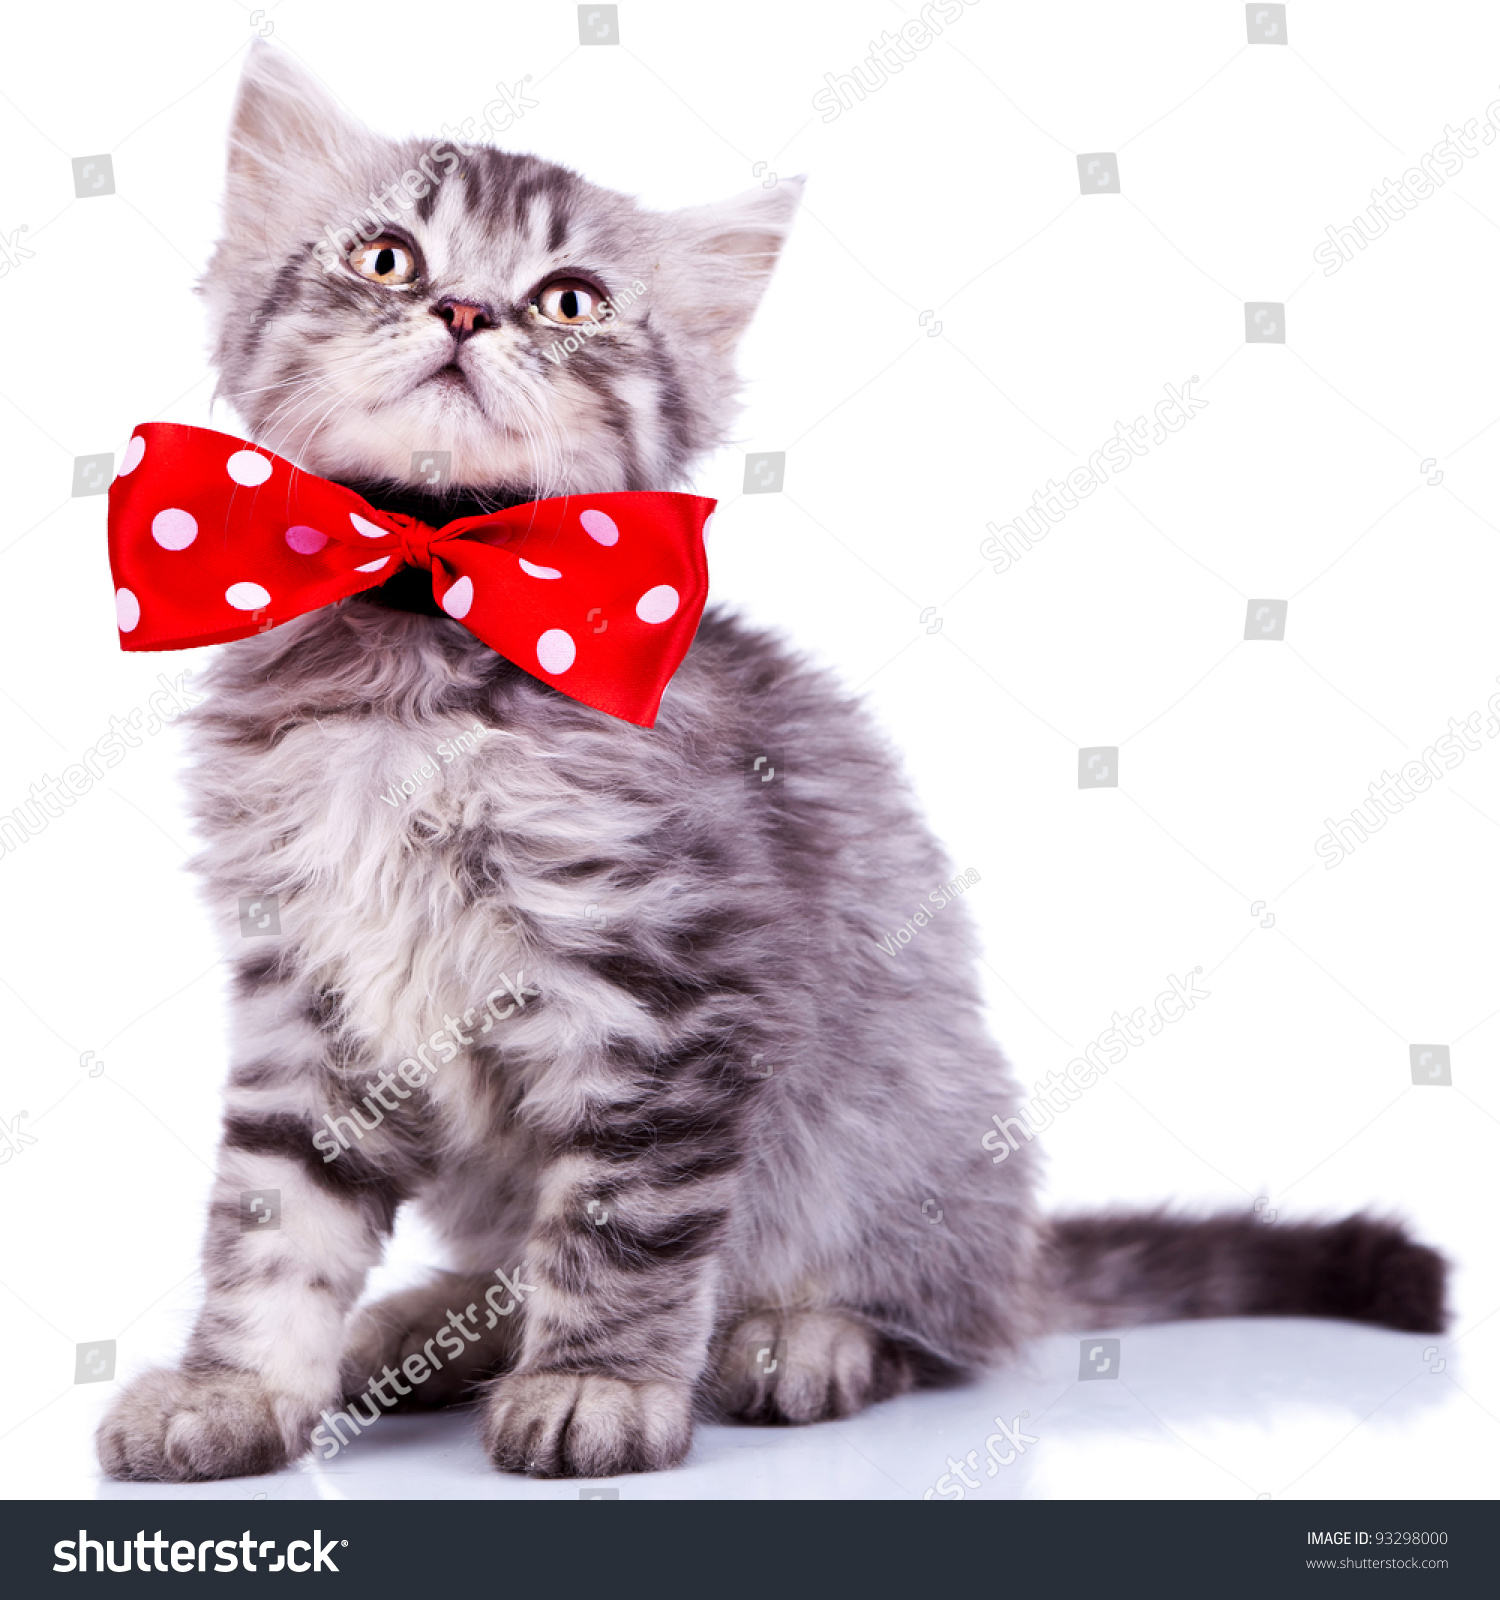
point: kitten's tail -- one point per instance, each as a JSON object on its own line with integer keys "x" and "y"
{"x": 1129, "y": 1267}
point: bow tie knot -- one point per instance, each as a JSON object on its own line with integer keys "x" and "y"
{"x": 416, "y": 541}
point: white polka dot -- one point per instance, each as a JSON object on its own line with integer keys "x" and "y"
{"x": 127, "y": 610}
{"x": 247, "y": 596}
{"x": 555, "y": 650}
{"x": 134, "y": 451}
{"x": 174, "y": 529}
{"x": 459, "y": 597}
{"x": 536, "y": 571}
{"x": 657, "y": 604}
{"x": 304, "y": 540}
{"x": 708, "y": 523}
{"x": 598, "y": 526}
{"x": 373, "y": 566}
{"x": 366, "y": 527}
{"x": 249, "y": 468}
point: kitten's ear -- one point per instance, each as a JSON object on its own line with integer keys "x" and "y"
{"x": 730, "y": 250}
{"x": 285, "y": 136}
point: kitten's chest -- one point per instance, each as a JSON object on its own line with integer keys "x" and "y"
{"x": 387, "y": 848}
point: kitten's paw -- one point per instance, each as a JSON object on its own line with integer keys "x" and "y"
{"x": 807, "y": 1366}
{"x": 583, "y": 1425}
{"x": 186, "y": 1427}
{"x": 390, "y": 1332}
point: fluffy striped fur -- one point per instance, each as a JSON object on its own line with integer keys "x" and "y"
{"x": 709, "y": 1141}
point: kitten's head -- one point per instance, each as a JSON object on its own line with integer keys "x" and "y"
{"x": 376, "y": 301}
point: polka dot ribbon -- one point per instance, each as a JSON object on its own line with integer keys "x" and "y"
{"x": 212, "y": 539}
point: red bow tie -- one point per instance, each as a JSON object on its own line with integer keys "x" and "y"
{"x": 212, "y": 539}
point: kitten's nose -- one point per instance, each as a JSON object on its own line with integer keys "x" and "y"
{"x": 463, "y": 317}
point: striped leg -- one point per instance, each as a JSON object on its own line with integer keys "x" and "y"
{"x": 290, "y": 1240}
{"x": 621, "y": 1278}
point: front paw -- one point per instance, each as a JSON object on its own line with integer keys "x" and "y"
{"x": 583, "y": 1425}
{"x": 187, "y": 1427}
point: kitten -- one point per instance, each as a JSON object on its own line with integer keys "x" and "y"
{"x": 689, "y": 1113}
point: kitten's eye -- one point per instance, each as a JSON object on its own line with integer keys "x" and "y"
{"x": 384, "y": 261}
{"x": 570, "y": 300}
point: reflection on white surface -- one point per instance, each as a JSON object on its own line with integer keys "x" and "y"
{"x": 1209, "y": 1410}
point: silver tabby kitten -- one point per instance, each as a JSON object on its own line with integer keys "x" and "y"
{"x": 680, "y": 1103}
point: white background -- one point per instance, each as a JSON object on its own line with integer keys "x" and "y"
{"x": 954, "y": 190}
